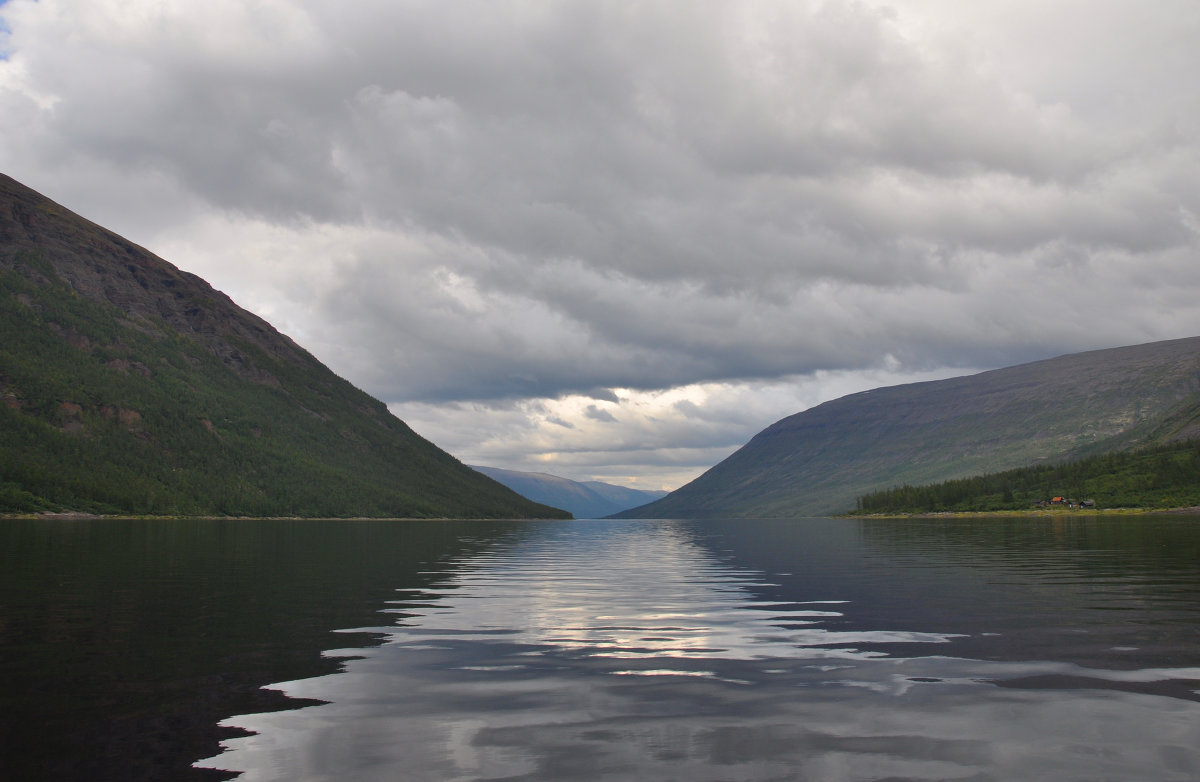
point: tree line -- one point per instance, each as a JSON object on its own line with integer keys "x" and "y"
{"x": 1164, "y": 476}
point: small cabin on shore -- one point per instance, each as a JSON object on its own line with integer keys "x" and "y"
{"x": 1064, "y": 502}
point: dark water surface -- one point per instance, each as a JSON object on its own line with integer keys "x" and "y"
{"x": 1063, "y": 648}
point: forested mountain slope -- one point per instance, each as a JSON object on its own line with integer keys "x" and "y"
{"x": 818, "y": 461}
{"x": 127, "y": 385}
{"x": 1160, "y": 477}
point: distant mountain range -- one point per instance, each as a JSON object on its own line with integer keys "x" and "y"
{"x": 585, "y": 500}
{"x": 820, "y": 460}
{"x": 129, "y": 386}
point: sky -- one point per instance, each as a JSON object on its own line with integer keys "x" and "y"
{"x": 614, "y": 240}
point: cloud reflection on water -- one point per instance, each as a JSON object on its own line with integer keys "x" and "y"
{"x": 619, "y": 650}
{"x": 632, "y": 592}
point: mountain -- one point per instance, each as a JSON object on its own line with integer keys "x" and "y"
{"x": 585, "y": 500}
{"x": 818, "y": 461}
{"x": 129, "y": 386}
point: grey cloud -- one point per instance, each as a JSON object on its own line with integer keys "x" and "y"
{"x": 416, "y": 330}
{"x": 601, "y": 394}
{"x": 535, "y": 135}
{"x": 596, "y": 414}
{"x": 576, "y": 197}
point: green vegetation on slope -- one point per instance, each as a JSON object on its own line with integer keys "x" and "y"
{"x": 1084, "y": 404}
{"x": 127, "y": 386}
{"x": 1166, "y": 476}
{"x": 100, "y": 414}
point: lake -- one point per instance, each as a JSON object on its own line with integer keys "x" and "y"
{"x": 1055, "y": 648}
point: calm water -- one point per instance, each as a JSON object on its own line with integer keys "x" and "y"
{"x": 808, "y": 649}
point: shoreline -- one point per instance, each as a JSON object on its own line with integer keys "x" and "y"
{"x": 79, "y": 516}
{"x": 1193, "y": 510}
{"x": 1181, "y": 511}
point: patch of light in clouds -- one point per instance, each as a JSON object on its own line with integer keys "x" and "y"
{"x": 643, "y": 439}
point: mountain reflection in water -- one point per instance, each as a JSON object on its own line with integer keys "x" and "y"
{"x": 810, "y": 649}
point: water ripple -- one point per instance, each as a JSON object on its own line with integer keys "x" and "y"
{"x": 617, "y": 650}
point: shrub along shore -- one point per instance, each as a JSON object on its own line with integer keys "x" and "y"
{"x": 1193, "y": 510}
{"x": 1151, "y": 480}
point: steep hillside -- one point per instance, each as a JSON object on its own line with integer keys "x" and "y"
{"x": 127, "y": 385}
{"x": 584, "y": 499}
{"x": 820, "y": 460}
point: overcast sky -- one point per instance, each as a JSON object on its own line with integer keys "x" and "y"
{"x": 614, "y": 240}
